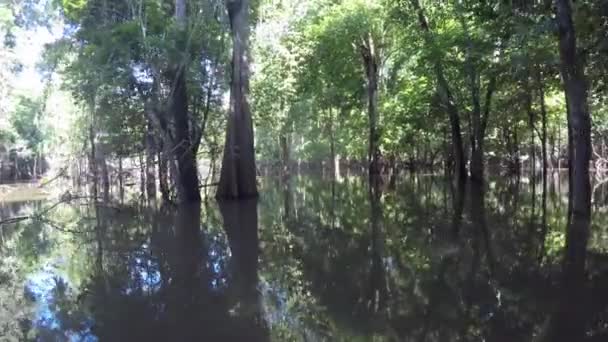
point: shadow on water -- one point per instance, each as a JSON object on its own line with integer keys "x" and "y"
{"x": 412, "y": 259}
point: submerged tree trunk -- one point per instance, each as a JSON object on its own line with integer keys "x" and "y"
{"x": 568, "y": 322}
{"x": 185, "y": 154}
{"x": 238, "y": 175}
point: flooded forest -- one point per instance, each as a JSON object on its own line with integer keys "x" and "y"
{"x": 304, "y": 170}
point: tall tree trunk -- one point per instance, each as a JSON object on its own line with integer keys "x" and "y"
{"x": 371, "y": 63}
{"x": 532, "y": 125}
{"x": 543, "y": 138}
{"x": 446, "y": 97}
{"x": 92, "y": 163}
{"x": 543, "y": 113}
{"x": 238, "y": 175}
{"x": 579, "y": 120}
{"x": 185, "y": 154}
{"x": 480, "y": 122}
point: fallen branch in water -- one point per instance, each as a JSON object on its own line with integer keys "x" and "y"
{"x": 65, "y": 198}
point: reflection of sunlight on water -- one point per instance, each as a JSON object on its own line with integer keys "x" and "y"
{"x": 219, "y": 255}
{"x": 44, "y": 287}
{"x": 146, "y": 275}
{"x": 144, "y": 272}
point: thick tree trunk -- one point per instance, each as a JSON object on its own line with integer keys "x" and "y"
{"x": 579, "y": 119}
{"x": 185, "y": 154}
{"x": 238, "y": 175}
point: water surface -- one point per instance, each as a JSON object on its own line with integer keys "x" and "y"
{"x": 311, "y": 260}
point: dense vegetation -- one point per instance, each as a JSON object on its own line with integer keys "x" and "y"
{"x": 385, "y": 85}
{"x": 181, "y": 97}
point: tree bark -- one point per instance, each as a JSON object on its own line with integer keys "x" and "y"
{"x": 238, "y": 175}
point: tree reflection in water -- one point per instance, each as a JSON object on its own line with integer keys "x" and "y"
{"x": 314, "y": 260}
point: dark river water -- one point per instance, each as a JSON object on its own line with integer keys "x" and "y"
{"x": 311, "y": 260}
